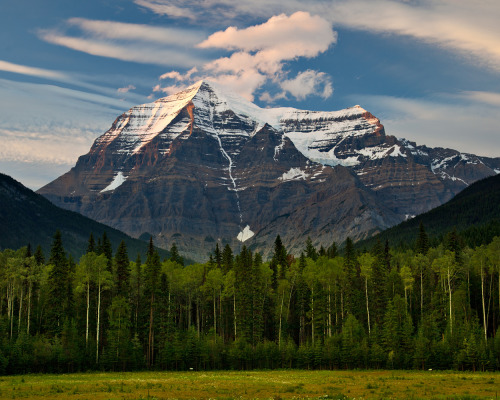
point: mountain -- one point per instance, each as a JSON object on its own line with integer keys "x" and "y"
{"x": 474, "y": 213}
{"x": 205, "y": 165}
{"x": 27, "y": 217}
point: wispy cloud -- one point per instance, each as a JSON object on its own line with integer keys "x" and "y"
{"x": 259, "y": 55}
{"x": 32, "y": 71}
{"x": 447, "y": 120}
{"x": 468, "y": 28}
{"x": 129, "y": 42}
{"x": 137, "y": 32}
{"x": 166, "y": 8}
{"x": 126, "y": 89}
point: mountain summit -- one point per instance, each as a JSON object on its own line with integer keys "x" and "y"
{"x": 204, "y": 165}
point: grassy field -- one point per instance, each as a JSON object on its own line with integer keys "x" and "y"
{"x": 282, "y": 384}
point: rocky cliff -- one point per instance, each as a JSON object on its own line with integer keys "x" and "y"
{"x": 204, "y": 165}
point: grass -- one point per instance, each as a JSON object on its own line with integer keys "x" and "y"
{"x": 281, "y": 384}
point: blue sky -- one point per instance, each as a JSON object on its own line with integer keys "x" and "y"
{"x": 430, "y": 70}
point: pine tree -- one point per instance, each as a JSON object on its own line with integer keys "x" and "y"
{"x": 311, "y": 250}
{"x": 227, "y": 259}
{"x": 175, "y": 256}
{"x": 380, "y": 273}
{"x": 58, "y": 286}
{"x": 91, "y": 244}
{"x": 422, "y": 243}
{"x": 218, "y": 256}
{"x": 106, "y": 249}
{"x": 39, "y": 257}
{"x": 352, "y": 283}
{"x": 332, "y": 251}
{"x": 122, "y": 267}
{"x": 152, "y": 275}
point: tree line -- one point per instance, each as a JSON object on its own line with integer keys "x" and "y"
{"x": 424, "y": 307}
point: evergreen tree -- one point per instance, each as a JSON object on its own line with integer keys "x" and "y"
{"x": 175, "y": 256}
{"x": 218, "y": 256}
{"x": 59, "y": 277}
{"x": 227, "y": 259}
{"x": 332, "y": 251}
{"x": 422, "y": 243}
{"x": 91, "y": 244}
{"x": 106, "y": 249}
{"x": 39, "y": 257}
{"x": 151, "y": 278}
{"x": 380, "y": 272}
{"x": 311, "y": 250}
{"x": 122, "y": 268}
{"x": 352, "y": 283}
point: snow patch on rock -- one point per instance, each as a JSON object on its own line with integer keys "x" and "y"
{"x": 245, "y": 234}
{"x": 117, "y": 181}
{"x": 294, "y": 174}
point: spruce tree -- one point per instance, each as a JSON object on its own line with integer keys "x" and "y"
{"x": 217, "y": 256}
{"x": 59, "y": 276}
{"x": 122, "y": 267}
{"x": 227, "y": 259}
{"x": 91, "y": 244}
{"x": 39, "y": 257}
{"x": 422, "y": 243}
{"x": 175, "y": 256}
{"x": 332, "y": 251}
{"x": 151, "y": 278}
{"x": 311, "y": 250}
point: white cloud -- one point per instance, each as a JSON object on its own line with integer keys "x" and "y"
{"x": 489, "y": 98}
{"x": 465, "y": 123}
{"x": 260, "y": 53}
{"x": 145, "y": 54}
{"x": 162, "y": 8}
{"x": 126, "y": 89}
{"x": 307, "y": 83}
{"x": 54, "y": 125}
{"x": 267, "y": 45}
{"x": 178, "y": 76}
{"x": 32, "y": 71}
{"x": 468, "y": 28}
{"x": 129, "y": 42}
{"x": 137, "y": 32}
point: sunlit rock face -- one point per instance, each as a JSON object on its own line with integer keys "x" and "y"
{"x": 205, "y": 166}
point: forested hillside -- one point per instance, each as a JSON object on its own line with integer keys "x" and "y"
{"x": 474, "y": 213}
{"x": 427, "y": 307}
{"x": 27, "y": 217}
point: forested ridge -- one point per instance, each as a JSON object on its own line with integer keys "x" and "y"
{"x": 425, "y": 307}
{"x": 474, "y": 213}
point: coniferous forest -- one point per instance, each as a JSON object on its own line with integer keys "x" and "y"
{"x": 419, "y": 308}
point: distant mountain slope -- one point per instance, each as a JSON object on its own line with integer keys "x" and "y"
{"x": 475, "y": 208}
{"x": 204, "y": 165}
{"x": 27, "y": 217}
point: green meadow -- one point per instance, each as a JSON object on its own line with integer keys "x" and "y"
{"x": 277, "y": 384}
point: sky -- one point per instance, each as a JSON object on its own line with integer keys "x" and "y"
{"x": 428, "y": 69}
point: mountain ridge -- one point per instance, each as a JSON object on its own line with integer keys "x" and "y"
{"x": 204, "y": 163}
{"x": 27, "y": 217}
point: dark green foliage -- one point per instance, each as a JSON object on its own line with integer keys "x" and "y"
{"x": 227, "y": 259}
{"x": 59, "y": 279}
{"x": 29, "y": 217}
{"x": 474, "y": 213}
{"x": 311, "y": 250}
{"x": 122, "y": 268}
{"x": 91, "y": 246}
{"x": 422, "y": 244}
{"x": 174, "y": 255}
{"x": 250, "y": 313}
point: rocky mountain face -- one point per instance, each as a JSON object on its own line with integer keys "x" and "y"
{"x": 204, "y": 165}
